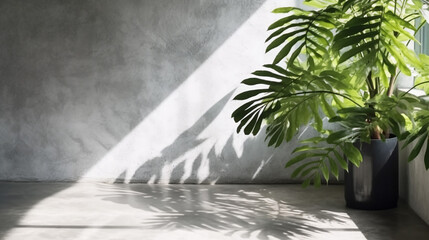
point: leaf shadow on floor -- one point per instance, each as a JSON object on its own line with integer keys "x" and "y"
{"x": 246, "y": 211}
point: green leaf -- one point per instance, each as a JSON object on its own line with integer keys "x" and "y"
{"x": 248, "y": 129}
{"x": 275, "y": 136}
{"x": 334, "y": 167}
{"x": 280, "y": 70}
{"x": 337, "y": 136}
{"x": 424, "y": 58}
{"x": 306, "y": 182}
{"x": 301, "y": 157}
{"x": 266, "y": 113}
{"x": 414, "y": 136}
{"x": 357, "y": 110}
{"x": 354, "y": 30}
{"x": 290, "y": 9}
{"x": 325, "y": 171}
{"x": 272, "y": 128}
{"x": 390, "y": 66}
{"x": 353, "y": 154}
{"x": 281, "y": 30}
{"x": 397, "y": 28}
{"x": 244, "y": 121}
{"x": 352, "y": 52}
{"x": 251, "y": 93}
{"x": 291, "y": 130}
{"x": 286, "y": 49}
{"x": 382, "y": 73}
{"x": 278, "y": 32}
{"x": 258, "y": 124}
{"x": 353, "y": 40}
{"x": 285, "y": 20}
{"x": 309, "y": 170}
{"x": 347, "y": 4}
{"x": 280, "y": 138}
{"x": 294, "y": 55}
{"x": 396, "y": 129}
{"x": 403, "y": 136}
{"x": 323, "y": 31}
{"x": 317, "y": 46}
{"x": 399, "y": 59}
{"x": 318, "y": 122}
{"x": 327, "y": 109}
{"x": 244, "y": 110}
{"x": 255, "y": 81}
{"x": 317, "y": 180}
{"x": 359, "y": 21}
{"x": 312, "y": 140}
{"x": 276, "y": 42}
{"x": 323, "y": 39}
{"x": 416, "y": 150}
{"x": 399, "y": 20}
{"x": 299, "y": 169}
{"x": 336, "y": 119}
{"x": 316, "y": 3}
{"x": 315, "y": 54}
{"x": 341, "y": 161}
{"x": 264, "y": 73}
{"x": 307, "y": 147}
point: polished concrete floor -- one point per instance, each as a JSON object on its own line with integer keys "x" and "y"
{"x": 104, "y": 211}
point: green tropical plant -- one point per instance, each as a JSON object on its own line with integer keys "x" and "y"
{"x": 340, "y": 61}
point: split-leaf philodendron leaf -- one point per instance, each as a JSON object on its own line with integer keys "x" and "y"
{"x": 339, "y": 61}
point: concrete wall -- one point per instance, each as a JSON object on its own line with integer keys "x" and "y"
{"x": 131, "y": 91}
{"x": 414, "y": 180}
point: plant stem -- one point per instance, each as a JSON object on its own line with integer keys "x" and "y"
{"x": 322, "y": 91}
{"x": 370, "y": 84}
{"x": 409, "y": 90}
{"x": 372, "y": 89}
{"x": 391, "y": 84}
{"x": 373, "y": 92}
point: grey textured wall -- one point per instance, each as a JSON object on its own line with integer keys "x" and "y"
{"x": 131, "y": 91}
{"x": 413, "y": 183}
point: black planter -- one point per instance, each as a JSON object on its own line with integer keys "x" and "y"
{"x": 374, "y": 185}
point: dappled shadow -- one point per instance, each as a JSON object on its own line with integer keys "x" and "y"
{"x": 78, "y": 76}
{"x": 211, "y": 152}
{"x": 184, "y": 143}
{"x": 256, "y": 211}
{"x": 189, "y": 211}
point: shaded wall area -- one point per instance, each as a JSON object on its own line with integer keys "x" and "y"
{"x": 131, "y": 91}
{"x": 413, "y": 183}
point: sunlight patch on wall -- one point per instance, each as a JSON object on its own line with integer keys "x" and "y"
{"x": 215, "y": 79}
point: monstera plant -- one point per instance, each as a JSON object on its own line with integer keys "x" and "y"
{"x": 336, "y": 68}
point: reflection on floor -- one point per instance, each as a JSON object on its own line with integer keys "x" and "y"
{"x": 137, "y": 211}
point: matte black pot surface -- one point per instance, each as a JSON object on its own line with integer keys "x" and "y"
{"x": 374, "y": 185}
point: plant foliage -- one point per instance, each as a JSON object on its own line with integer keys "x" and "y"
{"x": 339, "y": 61}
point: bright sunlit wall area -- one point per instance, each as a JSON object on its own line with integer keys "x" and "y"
{"x": 141, "y": 92}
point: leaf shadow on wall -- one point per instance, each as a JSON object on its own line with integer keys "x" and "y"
{"x": 195, "y": 158}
